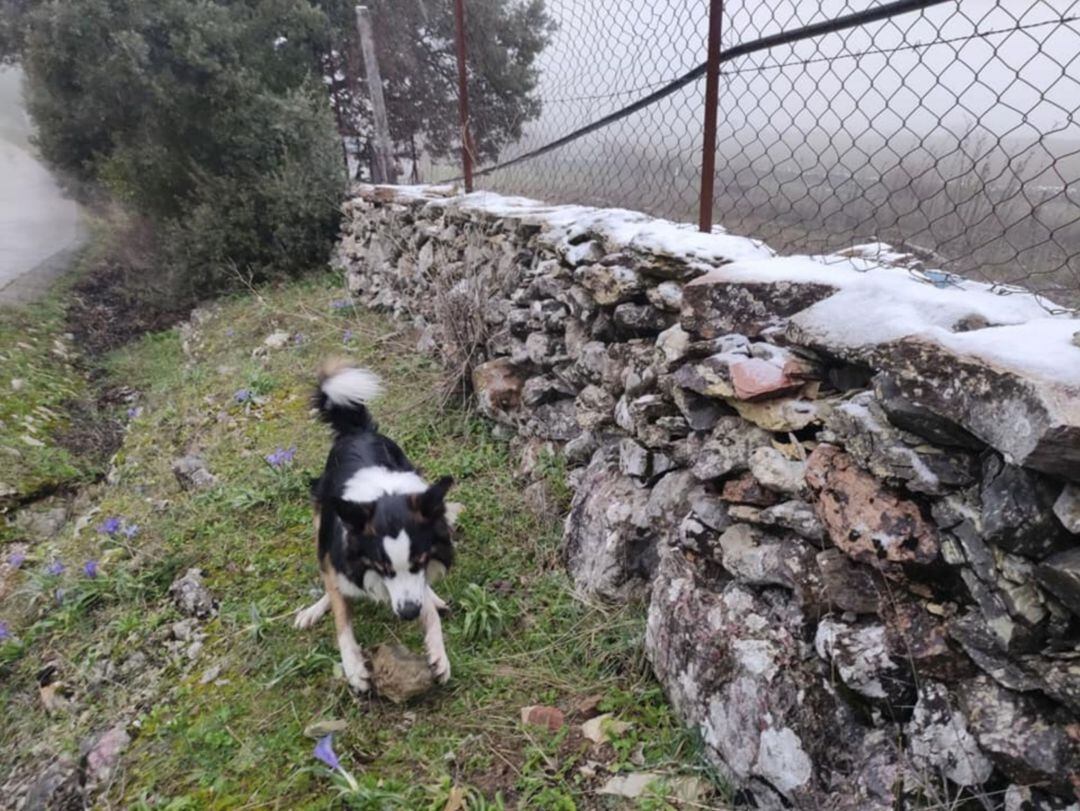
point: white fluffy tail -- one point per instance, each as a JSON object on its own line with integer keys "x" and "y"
{"x": 343, "y": 390}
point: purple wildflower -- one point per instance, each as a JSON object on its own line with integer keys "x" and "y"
{"x": 56, "y": 568}
{"x": 324, "y": 751}
{"x": 110, "y": 526}
{"x": 281, "y": 457}
{"x": 16, "y": 560}
{"x": 347, "y": 336}
{"x": 339, "y": 303}
{"x": 4, "y": 632}
{"x": 130, "y": 530}
{"x": 134, "y": 412}
{"x": 298, "y": 338}
{"x": 90, "y": 568}
{"x": 230, "y": 332}
{"x": 242, "y": 396}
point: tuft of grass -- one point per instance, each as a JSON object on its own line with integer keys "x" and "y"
{"x": 223, "y": 726}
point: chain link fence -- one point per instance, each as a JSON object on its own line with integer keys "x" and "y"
{"x": 948, "y": 131}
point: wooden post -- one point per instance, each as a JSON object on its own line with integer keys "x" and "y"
{"x": 382, "y": 147}
{"x": 463, "y": 95}
{"x": 708, "y": 140}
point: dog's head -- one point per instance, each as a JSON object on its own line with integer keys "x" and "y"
{"x": 402, "y": 541}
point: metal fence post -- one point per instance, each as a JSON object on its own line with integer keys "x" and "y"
{"x": 463, "y": 95}
{"x": 712, "y": 93}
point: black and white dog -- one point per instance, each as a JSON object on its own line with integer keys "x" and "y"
{"x": 381, "y": 531}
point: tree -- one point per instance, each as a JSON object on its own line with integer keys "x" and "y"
{"x": 415, "y": 44}
{"x": 209, "y": 118}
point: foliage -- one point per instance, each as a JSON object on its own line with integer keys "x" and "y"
{"x": 417, "y": 59}
{"x": 198, "y": 116}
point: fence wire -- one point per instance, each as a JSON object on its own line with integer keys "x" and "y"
{"x": 949, "y": 132}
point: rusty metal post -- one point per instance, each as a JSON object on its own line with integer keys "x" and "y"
{"x": 463, "y": 96}
{"x": 708, "y": 141}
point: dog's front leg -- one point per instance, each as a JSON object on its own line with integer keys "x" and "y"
{"x": 352, "y": 658}
{"x": 433, "y": 639}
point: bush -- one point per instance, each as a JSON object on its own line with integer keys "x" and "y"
{"x": 209, "y": 119}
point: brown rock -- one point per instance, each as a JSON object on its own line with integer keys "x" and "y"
{"x": 498, "y": 385}
{"x": 847, "y": 585}
{"x": 867, "y": 521}
{"x": 399, "y": 674}
{"x": 538, "y": 715}
{"x": 757, "y": 379}
{"x": 747, "y": 490}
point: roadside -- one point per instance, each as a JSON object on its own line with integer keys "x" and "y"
{"x": 146, "y": 707}
{"x": 41, "y": 228}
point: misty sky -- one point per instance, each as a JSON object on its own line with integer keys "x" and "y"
{"x": 1017, "y": 84}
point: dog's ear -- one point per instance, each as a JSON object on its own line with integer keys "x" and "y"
{"x": 430, "y": 503}
{"x": 356, "y": 516}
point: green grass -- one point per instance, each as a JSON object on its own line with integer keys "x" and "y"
{"x": 516, "y": 635}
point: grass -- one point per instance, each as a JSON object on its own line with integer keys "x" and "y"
{"x": 225, "y": 729}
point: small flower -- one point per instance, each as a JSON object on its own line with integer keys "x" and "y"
{"x": 340, "y": 303}
{"x": 16, "y": 560}
{"x": 298, "y": 338}
{"x": 242, "y": 396}
{"x": 281, "y": 457}
{"x": 4, "y": 632}
{"x": 324, "y": 751}
{"x": 230, "y": 332}
{"x": 110, "y": 526}
{"x": 134, "y": 412}
{"x": 56, "y": 568}
{"x": 130, "y": 530}
{"x": 59, "y": 596}
{"x": 90, "y": 568}
{"x": 346, "y": 336}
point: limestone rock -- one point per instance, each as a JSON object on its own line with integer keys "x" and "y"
{"x": 782, "y": 416}
{"x": 499, "y": 386}
{"x": 860, "y": 656}
{"x": 666, "y": 296}
{"x": 757, "y": 379}
{"x": 191, "y": 596}
{"x": 556, "y": 420}
{"x": 864, "y": 519}
{"x": 1067, "y": 508}
{"x": 594, "y": 408}
{"x": 847, "y": 585}
{"x": 701, "y": 413}
{"x": 759, "y": 559}
{"x": 1017, "y": 510}
{"x": 712, "y": 305}
{"x": 728, "y": 448}
{"x": 398, "y": 674}
{"x": 610, "y": 284}
{"x": 192, "y": 474}
{"x": 778, "y": 473}
{"x": 797, "y": 516}
{"x": 908, "y": 415}
{"x": 940, "y": 740}
{"x": 639, "y": 320}
{"x": 1060, "y": 575}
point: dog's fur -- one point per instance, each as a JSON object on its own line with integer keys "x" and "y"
{"x": 381, "y": 531}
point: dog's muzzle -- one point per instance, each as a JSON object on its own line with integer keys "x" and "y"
{"x": 407, "y": 611}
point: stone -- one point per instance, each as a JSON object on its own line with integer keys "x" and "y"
{"x": 728, "y": 449}
{"x": 538, "y": 497}
{"x": 1017, "y": 510}
{"x": 582, "y": 253}
{"x": 940, "y": 741}
{"x": 701, "y": 413}
{"x": 860, "y": 656}
{"x": 1067, "y": 508}
{"x": 780, "y": 416}
{"x": 745, "y": 489}
{"x": 1060, "y": 575}
{"x": 579, "y": 450}
{"x": 845, "y": 584}
{"x": 868, "y": 522}
{"x": 757, "y": 379}
{"x": 575, "y": 338}
{"x": 398, "y": 674}
{"x": 609, "y": 285}
{"x": 593, "y": 360}
{"x": 640, "y": 320}
{"x": 499, "y": 387}
{"x": 42, "y": 524}
{"x": 192, "y": 474}
{"x": 556, "y": 420}
{"x": 102, "y": 754}
{"x": 713, "y": 305}
{"x": 673, "y": 345}
{"x": 191, "y": 596}
{"x": 865, "y": 432}
{"x": 982, "y": 640}
{"x": 922, "y": 640}
{"x": 544, "y": 389}
{"x": 758, "y": 559}
{"x": 541, "y": 349}
{"x": 797, "y": 516}
{"x": 277, "y": 340}
{"x": 605, "y": 552}
{"x": 778, "y": 473}
{"x": 908, "y": 415}
{"x": 604, "y": 728}
{"x": 634, "y": 460}
{"x": 1017, "y": 736}
{"x": 594, "y": 408}
{"x": 666, "y": 296}
{"x": 538, "y": 715}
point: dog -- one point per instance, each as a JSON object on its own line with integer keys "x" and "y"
{"x": 381, "y": 531}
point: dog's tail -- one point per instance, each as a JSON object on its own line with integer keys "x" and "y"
{"x": 341, "y": 394}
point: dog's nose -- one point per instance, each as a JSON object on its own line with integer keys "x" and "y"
{"x": 409, "y": 611}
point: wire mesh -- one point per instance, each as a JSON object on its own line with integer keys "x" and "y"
{"x": 949, "y": 132}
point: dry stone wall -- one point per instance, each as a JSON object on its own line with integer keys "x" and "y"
{"x": 849, "y": 490}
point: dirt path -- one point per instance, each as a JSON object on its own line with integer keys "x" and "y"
{"x": 40, "y": 228}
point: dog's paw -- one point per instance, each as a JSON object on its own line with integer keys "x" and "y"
{"x": 440, "y": 667}
{"x": 356, "y": 672}
{"x": 307, "y": 617}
